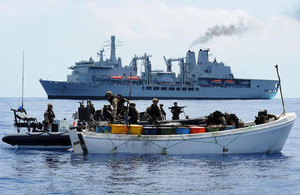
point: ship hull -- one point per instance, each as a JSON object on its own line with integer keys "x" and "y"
{"x": 257, "y": 89}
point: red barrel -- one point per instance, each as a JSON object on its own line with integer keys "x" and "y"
{"x": 197, "y": 129}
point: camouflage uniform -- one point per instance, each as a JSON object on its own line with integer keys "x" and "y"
{"x": 48, "y": 117}
{"x": 133, "y": 114}
{"x": 105, "y": 113}
{"x": 92, "y": 108}
{"x": 117, "y": 104}
{"x": 153, "y": 112}
{"x": 163, "y": 112}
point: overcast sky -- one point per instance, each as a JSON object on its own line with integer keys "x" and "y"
{"x": 56, "y": 34}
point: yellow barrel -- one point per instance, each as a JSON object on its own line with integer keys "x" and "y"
{"x": 136, "y": 129}
{"x": 118, "y": 128}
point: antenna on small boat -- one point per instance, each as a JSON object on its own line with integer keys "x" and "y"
{"x": 127, "y": 111}
{"x": 23, "y": 80}
{"x": 283, "y": 113}
{"x": 130, "y": 87}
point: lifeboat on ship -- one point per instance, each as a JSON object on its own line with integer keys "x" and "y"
{"x": 116, "y": 77}
{"x": 217, "y": 81}
{"x": 229, "y": 81}
{"x": 133, "y": 78}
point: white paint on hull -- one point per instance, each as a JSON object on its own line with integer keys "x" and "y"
{"x": 265, "y": 138}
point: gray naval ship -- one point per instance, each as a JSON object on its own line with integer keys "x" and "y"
{"x": 201, "y": 79}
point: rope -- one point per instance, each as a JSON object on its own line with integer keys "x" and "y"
{"x": 56, "y": 134}
{"x": 49, "y": 133}
{"x": 175, "y": 143}
{"x": 238, "y": 136}
{"x": 103, "y": 129}
{"x": 224, "y": 147}
{"x": 168, "y": 142}
{"x": 115, "y": 146}
{"x": 155, "y": 144}
{"x": 110, "y": 139}
{"x": 216, "y": 141}
{"x": 164, "y": 149}
{"x": 35, "y": 134}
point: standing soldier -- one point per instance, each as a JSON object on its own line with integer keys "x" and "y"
{"x": 105, "y": 113}
{"x": 92, "y": 108}
{"x": 117, "y": 102}
{"x": 175, "y": 110}
{"x": 133, "y": 114}
{"x": 48, "y": 117}
{"x": 153, "y": 112}
{"x": 164, "y": 114}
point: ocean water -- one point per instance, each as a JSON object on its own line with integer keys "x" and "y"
{"x": 24, "y": 171}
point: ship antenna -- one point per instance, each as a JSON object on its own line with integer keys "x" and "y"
{"x": 283, "y": 113}
{"x": 23, "y": 80}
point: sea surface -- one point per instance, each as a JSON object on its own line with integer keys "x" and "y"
{"x": 25, "y": 171}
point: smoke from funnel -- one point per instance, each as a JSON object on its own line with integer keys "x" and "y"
{"x": 221, "y": 30}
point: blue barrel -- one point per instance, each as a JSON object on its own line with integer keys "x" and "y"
{"x": 228, "y": 127}
{"x": 101, "y": 129}
{"x": 182, "y": 130}
{"x": 149, "y": 130}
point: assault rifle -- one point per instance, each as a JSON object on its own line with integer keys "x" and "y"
{"x": 178, "y": 107}
{"x": 181, "y": 110}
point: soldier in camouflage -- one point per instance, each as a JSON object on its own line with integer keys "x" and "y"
{"x": 153, "y": 112}
{"x": 133, "y": 114}
{"x": 163, "y": 112}
{"x": 48, "y": 117}
{"x": 176, "y": 110}
{"x": 117, "y": 102}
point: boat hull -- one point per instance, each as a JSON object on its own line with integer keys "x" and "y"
{"x": 265, "y": 138}
{"x": 258, "y": 89}
{"x": 39, "y": 140}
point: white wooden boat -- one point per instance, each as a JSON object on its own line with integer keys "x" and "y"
{"x": 265, "y": 138}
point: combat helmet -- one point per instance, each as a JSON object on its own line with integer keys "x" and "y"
{"x": 108, "y": 93}
{"x": 50, "y": 105}
{"x": 155, "y": 100}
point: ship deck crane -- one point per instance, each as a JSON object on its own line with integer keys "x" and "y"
{"x": 181, "y": 64}
{"x": 146, "y": 62}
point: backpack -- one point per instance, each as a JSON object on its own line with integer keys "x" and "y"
{"x": 236, "y": 121}
{"x": 121, "y": 99}
{"x": 215, "y": 118}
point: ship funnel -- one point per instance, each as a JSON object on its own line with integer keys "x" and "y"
{"x": 113, "y": 58}
{"x": 203, "y": 56}
{"x": 190, "y": 58}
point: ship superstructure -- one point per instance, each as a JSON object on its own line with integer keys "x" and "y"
{"x": 197, "y": 79}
